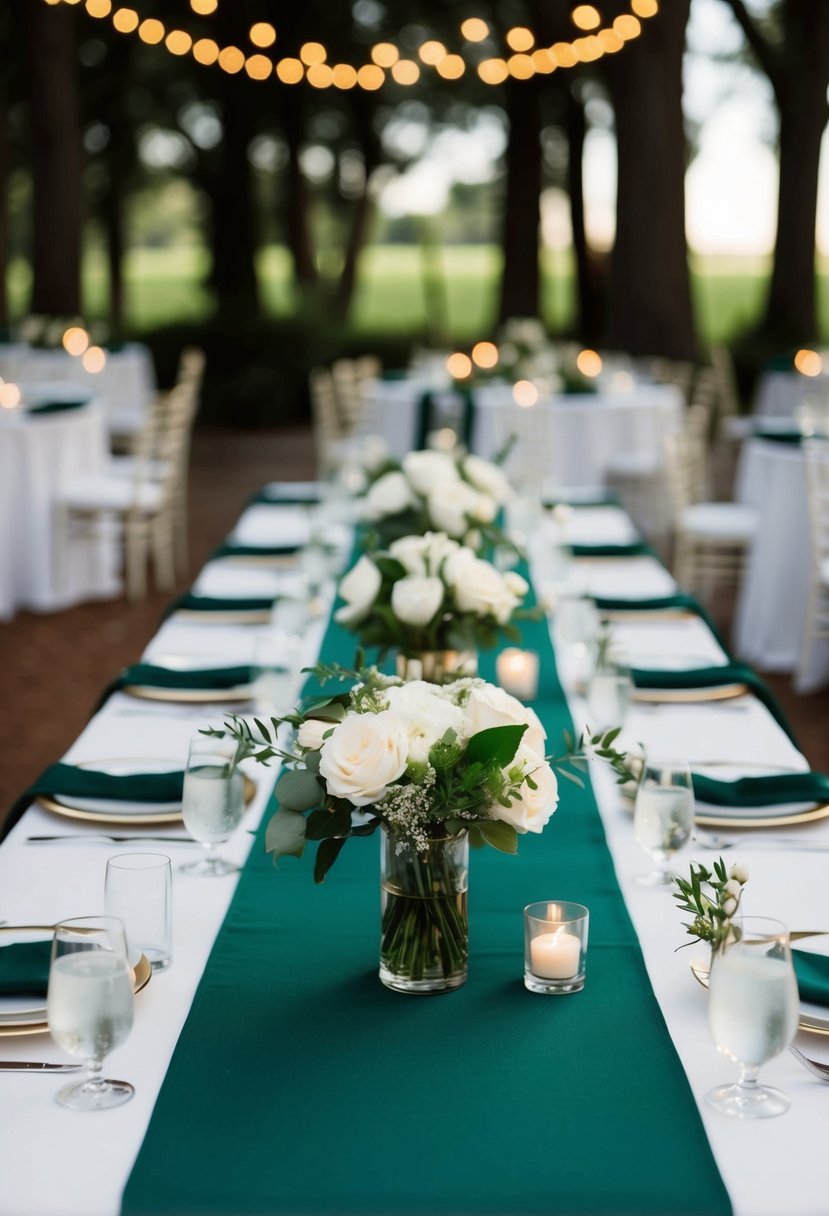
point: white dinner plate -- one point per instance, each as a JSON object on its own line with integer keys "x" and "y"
{"x": 123, "y": 767}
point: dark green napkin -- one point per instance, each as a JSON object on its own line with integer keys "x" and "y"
{"x": 812, "y": 971}
{"x": 773, "y": 789}
{"x": 792, "y": 437}
{"x": 632, "y": 549}
{"x": 202, "y": 678}
{"x": 425, "y": 421}
{"x": 88, "y": 783}
{"x": 24, "y": 968}
{"x": 229, "y": 549}
{"x": 714, "y": 677}
{"x": 56, "y": 407}
{"x": 606, "y": 500}
{"x": 208, "y": 603}
{"x": 280, "y": 500}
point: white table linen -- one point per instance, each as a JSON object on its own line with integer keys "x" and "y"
{"x": 125, "y": 386}
{"x": 39, "y": 454}
{"x": 770, "y": 617}
{"x": 779, "y": 394}
{"x": 768, "y": 1167}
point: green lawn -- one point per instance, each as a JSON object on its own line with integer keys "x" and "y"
{"x": 395, "y": 296}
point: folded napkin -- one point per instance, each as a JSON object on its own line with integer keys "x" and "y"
{"x": 208, "y": 603}
{"x": 230, "y": 548}
{"x": 55, "y": 407}
{"x": 286, "y": 499}
{"x": 605, "y": 500}
{"x": 792, "y": 437}
{"x": 812, "y": 971}
{"x": 24, "y": 968}
{"x": 773, "y": 789}
{"x": 149, "y": 675}
{"x": 426, "y": 420}
{"x": 630, "y": 549}
{"x": 89, "y": 783}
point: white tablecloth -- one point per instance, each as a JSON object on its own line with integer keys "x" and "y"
{"x": 769, "y": 1168}
{"x": 125, "y": 386}
{"x": 572, "y": 438}
{"x": 38, "y": 454}
{"x": 771, "y": 610}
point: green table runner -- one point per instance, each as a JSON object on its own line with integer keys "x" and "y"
{"x": 300, "y": 1084}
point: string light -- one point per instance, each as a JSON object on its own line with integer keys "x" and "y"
{"x": 526, "y": 59}
{"x": 75, "y": 340}
{"x": 808, "y": 363}
{"x": 94, "y": 360}
{"x": 524, "y": 393}
{"x": 485, "y": 354}
{"x": 459, "y": 366}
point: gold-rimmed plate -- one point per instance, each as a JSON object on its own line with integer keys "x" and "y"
{"x": 715, "y": 818}
{"x": 142, "y": 974}
{"x": 812, "y": 1023}
{"x": 690, "y": 696}
{"x": 200, "y": 696}
{"x": 241, "y": 616}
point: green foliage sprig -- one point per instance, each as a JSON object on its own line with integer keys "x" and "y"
{"x": 712, "y": 897}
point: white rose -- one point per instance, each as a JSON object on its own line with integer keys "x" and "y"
{"x": 483, "y": 591}
{"x": 439, "y": 548}
{"x": 428, "y": 715}
{"x": 515, "y": 584}
{"x": 428, "y": 470}
{"x": 739, "y": 872}
{"x": 733, "y": 888}
{"x": 410, "y": 551}
{"x": 359, "y": 590}
{"x": 456, "y": 564}
{"x": 364, "y": 755}
{"x": 310, "y": 734}
{"x": 450, "y": 505}
{"x": 389, "y": 495}
{"x": 532, "y": 811}
{"x": 729, "y": 906}
{"x": 487, "y": 477}
{"x": 489, "y": 706}
{"x": 375, "y": 453}
{"x": 415, "y": 600}
{"x": 484, "y": 510}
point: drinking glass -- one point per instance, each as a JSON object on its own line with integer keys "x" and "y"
{"x": 277, "y": 658}
{"x": 214, "y": 801}
{"x": 90, "y": 1005}
{"x": 610, "y": 690}
{"x": 753, "y": 1013}
{"x": 663, "y": 816}
{"x": 575, "y": 626}
{"x": 138, "y": 889}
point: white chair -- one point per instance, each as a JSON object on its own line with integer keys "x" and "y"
{"x": 143, "y": 508}
{"x": 712, "y": 540}
{"x": 349, "y": 377}
{"x": 325, "y": 420}
{"x": 816, "y": 625}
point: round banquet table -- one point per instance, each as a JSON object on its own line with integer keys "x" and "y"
{"x": 780, "y": 393}
{"x": 124, "y": 387}
{"x": 580, "y": 432}
{"x": 771, "y": 609}
{"x": 37, "y": 456}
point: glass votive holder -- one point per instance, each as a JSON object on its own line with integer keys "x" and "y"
{"x": 138, "y": 889}
{"x": 555, "y": 946}
{"x": 517, "y": 672}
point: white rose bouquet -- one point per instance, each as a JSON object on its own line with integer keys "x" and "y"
{"x": 458, "y": 495}
{"x": 430, "y": 593}
{"x": 436, "y": 767}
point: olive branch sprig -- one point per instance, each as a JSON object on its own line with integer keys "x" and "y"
{"x": 712, "y": 897}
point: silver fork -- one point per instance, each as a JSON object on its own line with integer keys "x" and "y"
{"x": 821, "y": 1071}
{"x": 711, "y": 840}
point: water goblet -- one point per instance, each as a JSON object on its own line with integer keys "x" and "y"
{"x": 90, "y": 1005}
{"x": 609, "y": 690}
{"x": 752, "y": 1012}
{"x": 663, "y": 816}
{"x": 277, "y": 658}
{"x": 214, "y": 802}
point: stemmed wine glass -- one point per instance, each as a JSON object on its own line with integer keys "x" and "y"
{"x": 214, "y": 801}
{"x": 663, "y": 817}
{"x": 752, "y": 1012}
{"x": 90, "y": 1004}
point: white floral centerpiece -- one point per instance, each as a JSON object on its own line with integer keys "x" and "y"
{"x": 431, "y": 596}
{"x": 434, "y": 767}
{"x": 460, "y": 495}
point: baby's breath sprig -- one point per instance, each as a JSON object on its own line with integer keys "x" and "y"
{"x": 712, "y": 898}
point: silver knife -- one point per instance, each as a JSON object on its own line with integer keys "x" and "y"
{"x": 36, "y": 1066}
{"x": 97, "y": 837}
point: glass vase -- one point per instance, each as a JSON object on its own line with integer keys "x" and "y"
{"x": 436, "y": 666}
{"x": 425, "y": 927}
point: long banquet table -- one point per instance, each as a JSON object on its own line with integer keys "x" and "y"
{"x": 274, "y": 1074}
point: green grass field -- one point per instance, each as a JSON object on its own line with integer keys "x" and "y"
{"x": 167, "y": 285}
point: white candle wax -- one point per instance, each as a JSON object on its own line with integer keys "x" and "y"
{"x": 517, "y": 672}
{"x": 555, "y": 956}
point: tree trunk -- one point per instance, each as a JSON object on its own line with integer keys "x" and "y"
{"x": 650, "y": 294}
{"x": 56, "y": 161}
{"x": 521, "y": 278}
{"x": 589, "y": 269}
{"x": 297, "y": 201}
{"x": 234, "y": 223}
{"x": 362, "y": 209}
{"x": 4, "y": 214}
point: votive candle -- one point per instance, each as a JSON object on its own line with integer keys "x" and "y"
{"x": 517, "y": 672}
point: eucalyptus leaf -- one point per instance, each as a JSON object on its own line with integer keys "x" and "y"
{"x": 500, "y": 835}
{"x": 298, "y": 790}
{"x": 285, "y": 834}
{"x": 327, "y": 853}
